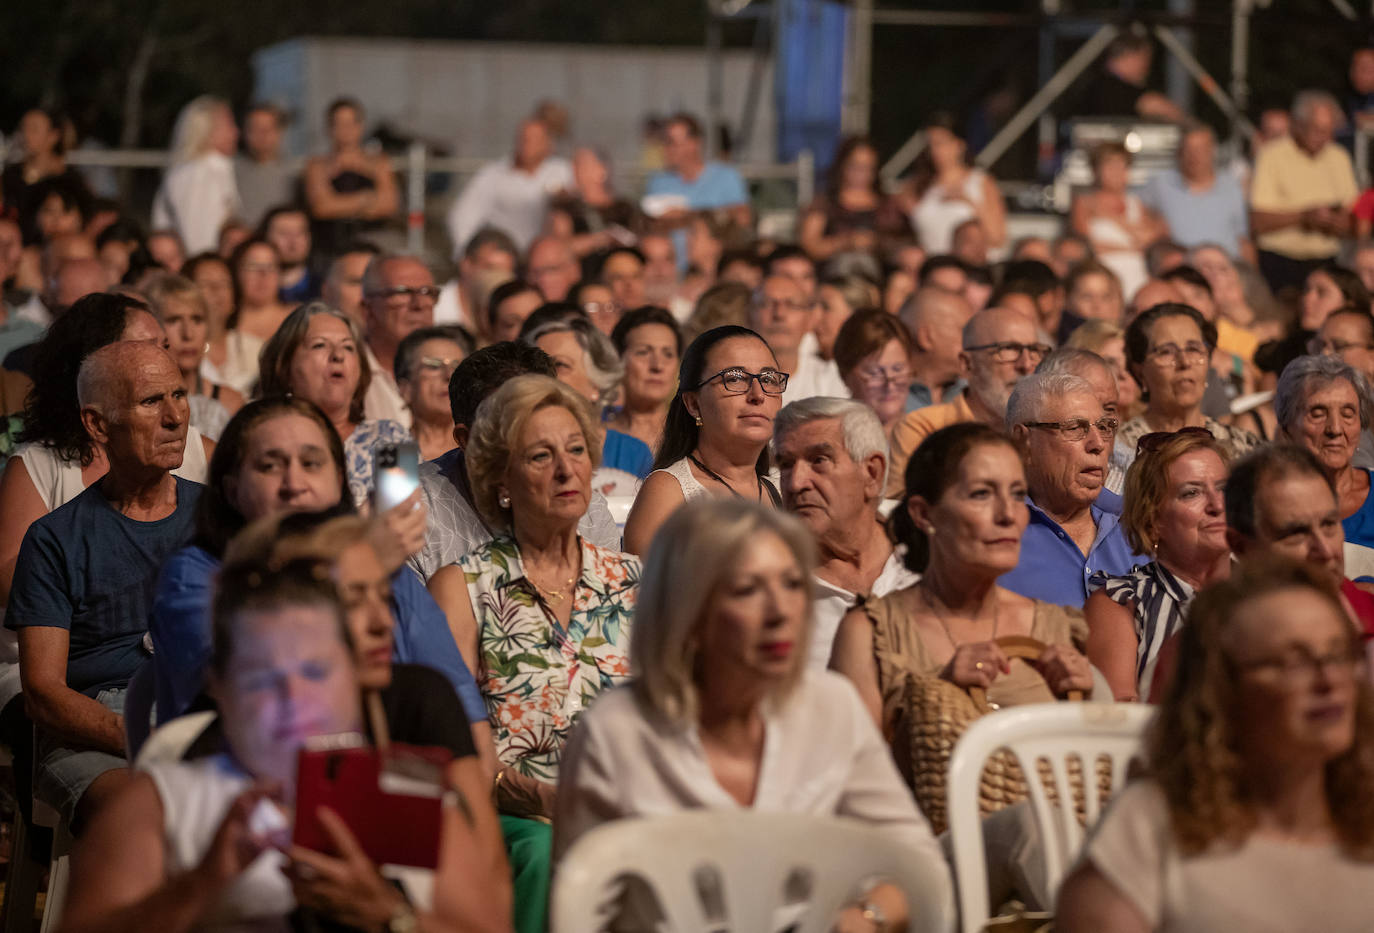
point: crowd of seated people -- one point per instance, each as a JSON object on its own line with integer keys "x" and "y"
{"x": 702, "y": 519}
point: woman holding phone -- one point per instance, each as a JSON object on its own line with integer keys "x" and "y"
{"x": 199, "y": 844}
{"x": 316, "y": 355}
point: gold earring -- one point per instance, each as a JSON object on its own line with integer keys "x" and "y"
{"x": 698, "y": 420}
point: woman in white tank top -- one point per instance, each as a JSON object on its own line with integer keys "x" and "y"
{"x": 946, "y": 191}
{"x": 720, "y": 423}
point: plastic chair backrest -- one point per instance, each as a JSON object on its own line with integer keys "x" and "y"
{"x": 728, "y": 870}
{"x": 1057, "y": 733}
{"x": 138, "y": 709}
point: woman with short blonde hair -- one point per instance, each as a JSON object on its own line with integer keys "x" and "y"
{"x": 178, "y": 303}
{"x": 719, "y": 671}
{"x": 199, "y": 192}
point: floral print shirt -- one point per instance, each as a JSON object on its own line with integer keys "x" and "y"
{"x": 536, "y": 677}
{"x": 359, "y": 450}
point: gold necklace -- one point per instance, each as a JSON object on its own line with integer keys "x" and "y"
{"x": 939, "y": 616}
{"x": 553, "y": 596}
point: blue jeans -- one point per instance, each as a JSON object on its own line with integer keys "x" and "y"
{"x": 63, "y": 774}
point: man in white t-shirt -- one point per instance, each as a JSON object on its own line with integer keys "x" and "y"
{"x": 512, "y": 194}
{"x": 832, "y": 457}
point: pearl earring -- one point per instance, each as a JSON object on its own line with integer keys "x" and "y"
{"x": 503, "y": 501}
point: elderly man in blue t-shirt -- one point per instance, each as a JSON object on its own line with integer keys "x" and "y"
{"x": 1065, "y": 434}
{"x": 84, "y": 579}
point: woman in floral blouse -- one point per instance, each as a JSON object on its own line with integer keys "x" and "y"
{"x": 542, "y": 616}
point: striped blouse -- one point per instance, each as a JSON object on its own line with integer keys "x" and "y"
{"x": 1158, "y": 600}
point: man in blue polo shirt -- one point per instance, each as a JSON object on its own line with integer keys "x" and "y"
{"x": 1065, "y": 435}
{"x": 1199, "y": 205}
{"x": 704, "y": 186}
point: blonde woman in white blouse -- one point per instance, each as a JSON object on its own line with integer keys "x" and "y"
{"x": 722, "y": 713}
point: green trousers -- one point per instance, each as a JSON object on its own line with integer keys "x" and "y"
{"x": 529, "y": 847}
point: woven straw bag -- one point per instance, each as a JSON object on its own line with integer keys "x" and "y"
{"x": 938, "y": 712}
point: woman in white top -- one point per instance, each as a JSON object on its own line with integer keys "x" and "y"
{"x": 231, "y": 356}
{"x": 722, "y": 713}
{"x": 720, "y": 423}
{"x": 197, "y": 845}
{"x": 1117, "y": 223}
{"x": 199, "y": 193}
{"x": 56, "y": 459}
{"x": 946, "y": 191}
{"x": 1258, "y": 810}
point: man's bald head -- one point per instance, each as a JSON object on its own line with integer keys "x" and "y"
{"x": 106, "y": 376}
{"x": 1154, "y": 292}
{"x": 77, "y": 278}
{"x": 998, "y": 325}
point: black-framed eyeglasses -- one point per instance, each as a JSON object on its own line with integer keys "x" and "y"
{"x": 1007, "y": 352}
{"x": 1155, "y": 439}
{"x": 1075, "y": 429}
{"x": 408, "y": 292}
{"x": 737, "y": 381}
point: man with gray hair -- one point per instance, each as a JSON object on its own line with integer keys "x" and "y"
{"x": 832, "y": 457}
{"x": 84, "y": 580}
{"x": 1058, "y": 423}
{"x": 1302, "y": 192}
{"x": 398, "y": 299}
{"x": 1088, "y": 365}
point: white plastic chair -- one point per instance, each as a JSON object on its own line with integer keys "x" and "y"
{"x": 745, "y": 860}
{"x": 1056, "y": 732}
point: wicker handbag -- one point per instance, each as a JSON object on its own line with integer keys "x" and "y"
{"x": 937, "y": 713}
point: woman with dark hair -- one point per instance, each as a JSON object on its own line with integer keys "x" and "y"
{"x": 873, "y": 353}
{"x": 716, "y": 437}
{"x": 231, "y": 355}
{"x": 56, "y": 459}
{"x": 1328, "y": 288}
{"x": 853, "y": 214}
{"x": 281, "y": 455}
{"x": 1257, "y": 808}
{"x": 961, "y": 522}
{"x": 351, "y": 190}
{"x": 1168, "y": 349}
{"x": 945, "y": 191}
{"x": 258, "y": 312}
{"x": 649, "y": 342}
{"x": 42, "y": 136}
{"x": 316, "y": 355}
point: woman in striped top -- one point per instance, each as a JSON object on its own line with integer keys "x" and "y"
{"x": 1175, "y": 512}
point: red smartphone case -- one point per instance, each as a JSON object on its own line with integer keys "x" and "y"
{"x": 393, "y": 828}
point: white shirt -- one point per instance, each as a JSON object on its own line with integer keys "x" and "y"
{"x": 196, "y": 198}
{"x": 382, "y": 401}
{"x": 502, "y": 196}
{"x": 822, "y": 756}
{"x": 832, "y": 603}
{"x": 451, "y": 307}
{"x": 814, "y": 376}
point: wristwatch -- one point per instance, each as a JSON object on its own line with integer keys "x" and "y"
{"x": 874, "y": 915}
{"x": 403, "y": 920}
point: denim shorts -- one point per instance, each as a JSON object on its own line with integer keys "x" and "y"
{"x": 63, "y": 774}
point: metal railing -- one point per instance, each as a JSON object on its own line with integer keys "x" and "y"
{"x": 419, "y": 167}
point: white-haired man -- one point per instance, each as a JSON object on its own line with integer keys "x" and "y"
{"x": 832, "y": 455}
{"x": 1057, "y": 422}
{"x": 84, "y": 580}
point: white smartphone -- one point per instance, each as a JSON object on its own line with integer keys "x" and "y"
{"x": 395, "y": 474}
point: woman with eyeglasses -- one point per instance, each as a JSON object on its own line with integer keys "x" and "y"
{"x": 1256, "y": 811}
{"x": 1325, "y": 405}
{"x": 1174, "y": 510}
{"x": 873, "y": 353}
{"x": 1167, "y": 349}
{"x": 425, "y": 360}
{"x": 258, "y": 311}
{"x": 720, "y": 423}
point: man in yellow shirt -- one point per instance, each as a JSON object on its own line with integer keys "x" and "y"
{"x": 1303, "y": 189}
{"x": 999, "y": 347}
